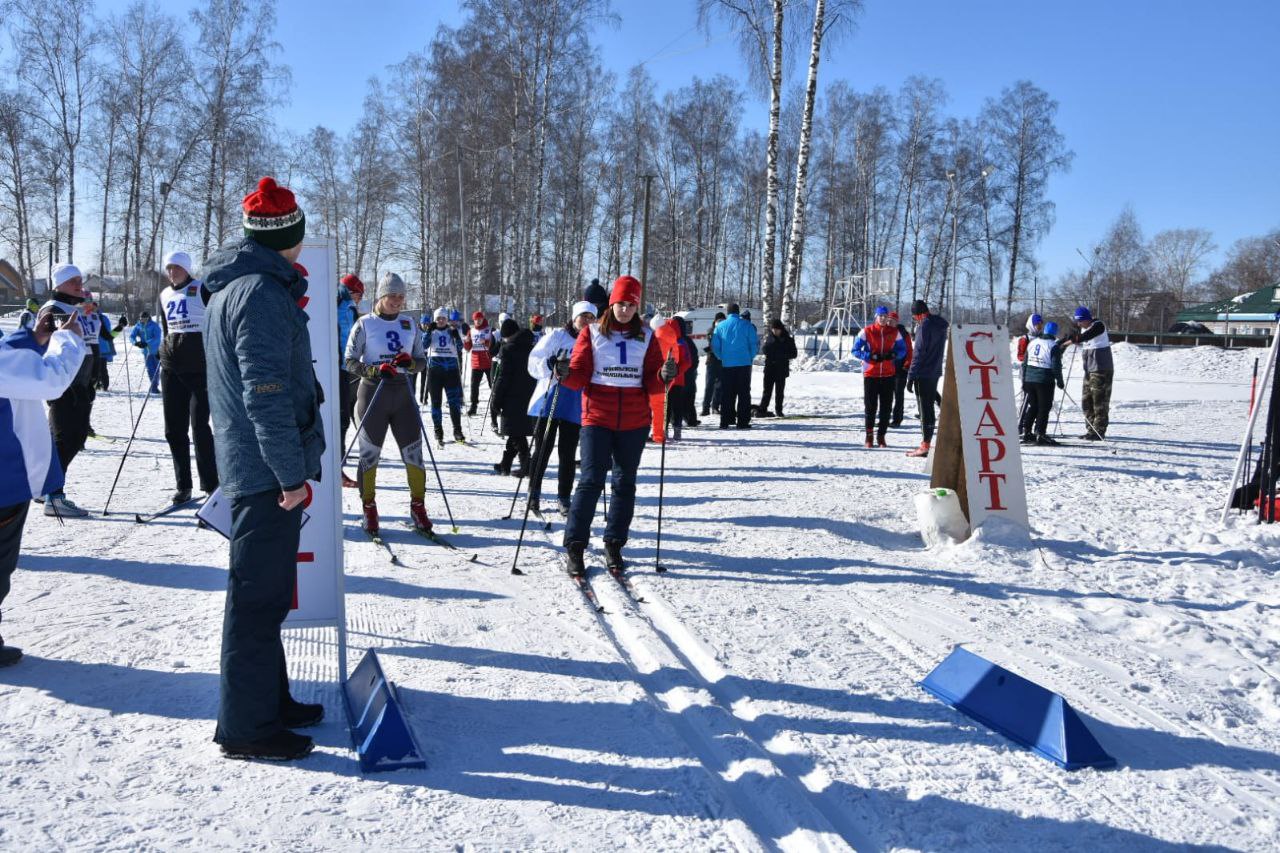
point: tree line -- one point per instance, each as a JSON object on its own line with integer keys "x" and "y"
{"x": 504, "y": 159}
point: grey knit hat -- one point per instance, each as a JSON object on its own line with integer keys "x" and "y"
{"x": 390, "y": 284}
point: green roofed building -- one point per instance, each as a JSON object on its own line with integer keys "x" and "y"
{"x": 1251, "y": 313}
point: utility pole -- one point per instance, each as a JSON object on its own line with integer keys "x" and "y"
{"x": 644, "y": 244}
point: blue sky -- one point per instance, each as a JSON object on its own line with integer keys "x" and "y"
{"x": 1171, "y": 106}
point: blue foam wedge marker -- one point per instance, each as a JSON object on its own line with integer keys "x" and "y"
{"x": 379, "y": 731}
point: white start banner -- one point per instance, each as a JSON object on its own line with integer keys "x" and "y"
{"x": 985, "y": 393}
{"x": 318, "y": 597}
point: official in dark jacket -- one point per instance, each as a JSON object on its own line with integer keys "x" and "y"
{"x": 511, "y": 392}
{"x": 926, "y": 369}
{"x": 689, "y": 401}
{"x": 711, "y": 394}
{"x": 779, "y": 350}
{"x": 266, "y": 407}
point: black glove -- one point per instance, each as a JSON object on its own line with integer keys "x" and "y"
{"x": 911, "y": 386}
{"x": 139, "y": 345}
{"x": 1061, "y": 384}
{"x": 561, "y": 366}
{"x": 669, "y": 369}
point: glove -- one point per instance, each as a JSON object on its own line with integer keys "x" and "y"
{"x": 388, "y": 371}
{"x": 1061, "y": 384}
{"x": 911, "y": 386}
{"x": 669, "y": 369}
{"x": 139, "y": 344}
{"x": 403, "y": 359}
{"x": 561, "y": 366}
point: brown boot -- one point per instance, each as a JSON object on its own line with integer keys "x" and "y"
{"x": 870, "y": 439}
{"x": 880, "y": 442}
{"x": 921, "y": 451}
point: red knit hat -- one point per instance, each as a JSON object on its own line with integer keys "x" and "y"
{"x": 893, "y": 315}
{"x": 479, "y": 315}
{"x": 352, "y": 284}
{"x": 626, "y": 288}
{"x": 272, "y": 216}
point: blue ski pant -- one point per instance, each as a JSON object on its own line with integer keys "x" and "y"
{"x": 606, "y": 450}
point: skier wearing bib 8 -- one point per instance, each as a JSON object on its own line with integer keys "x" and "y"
{"x": 385, "y": 347}
{"x": 617, "y": 365}
{"x": 444, "y": 373}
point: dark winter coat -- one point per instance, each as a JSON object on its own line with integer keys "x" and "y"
{"x": 1036, "y": 375}
{"x": 514, "y": 386}
{"x": 263, "y": 393}
{"x": 931, "y": 346}
{"x": 778, "y": 352}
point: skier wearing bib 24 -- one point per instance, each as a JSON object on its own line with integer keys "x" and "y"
{"x": 617, "y": 365}
{"x": 183, "y": 387}
{"x": 444, "y": 373}
{"x": 384, "y": 350}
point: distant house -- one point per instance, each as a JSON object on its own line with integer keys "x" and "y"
{"x": 1253, "y": 313}
{"x": 10, "y": 284}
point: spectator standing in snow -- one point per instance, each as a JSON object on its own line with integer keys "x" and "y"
{"x": 690, "y": 413}
{"x": 27, "y": 319}
{"x": 779, "y": 350}
{"x": 146, "y": 336}
{"x": 184, "y": 387}
{"x": 879, "y": 346}
{"x": 711, "y": 394}
{"x": 350, "y": 293}
{"x": 901, "y": 366}
{"x": 92, "y": 321}
{"x": 734, "y": 342}
{"x": 1026, "y": 415}
{"x": 511, "y": 392}
{"x": 566, "y": 421}
{"x": 617, "y": 365}
{"x": 667, "y": 405}
{"x": 265, "y": 401}
{"x": 1099, "y": 372}
{"x": 1041, "y": 371}
{"x": 106, "y": 354}
{"x": 36, "y": 364}
{"x": 926, "y": 370}
{"x": 69, "y": 414}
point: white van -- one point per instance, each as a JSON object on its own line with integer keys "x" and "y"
{"x": 701, "y": 319}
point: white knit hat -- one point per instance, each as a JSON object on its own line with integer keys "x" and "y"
{"x": 440, "y": 314}
{"x": 580, "y": 308}
{"x": 178, "y": 259}
{"x": 63, "y": 273}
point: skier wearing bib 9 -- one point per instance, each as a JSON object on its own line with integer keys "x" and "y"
{"x": 617, "y": 365}
{"x": 384, "y": 350}
{"x": 1043, "y": 370}
{"x": 184, "y": 386}
{"x": 444, "y": 373}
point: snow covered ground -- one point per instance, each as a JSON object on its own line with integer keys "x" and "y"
{"x": 764, "y": 698}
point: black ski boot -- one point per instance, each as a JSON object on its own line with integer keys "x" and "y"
{"x": 181, "y": 496}
{"x": 613, "y": 556}
{"x": 439, "y": 434}
{"x": 9, "y": 655}
{"x": 281, "y": 746}
{"x": 573, "y": 559}
{"x": 1046, "y": 440}
{"x": 458, "y": 436}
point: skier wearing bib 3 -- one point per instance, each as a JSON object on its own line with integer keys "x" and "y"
{"x": 617, "y": 365}
{"x": 444, "y": 373}
{"x": 384, "y": 350}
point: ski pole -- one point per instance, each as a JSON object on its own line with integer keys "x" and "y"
{"x": 497, "y": 371}
{"x": 554, "y": 391}
{"x": 1253, "y": 384}
{"x": 376, "y": 391}
{"x": 128, "y": 382}
{"x": 542, "y": 455}
{"x": 1057, "y": 421}
{"x": 127, "y": 447}
{"x": 422, "y": 430}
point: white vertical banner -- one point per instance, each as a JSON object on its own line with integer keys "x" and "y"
{"x": 319, "y": 594}
{"x": 987, "y": 398}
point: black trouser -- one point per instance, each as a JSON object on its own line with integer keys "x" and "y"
{"x": 103, "y": 377}
{"x": 11, "y": 520}
{"x": 347, "y": 384}
{"x": 899, "y": 396}
{"x": 517, "y": 445}
{"x": 69, "y": 415}
{"x": 927, "y": 398}
{"x": 735, "y": 396}
{"x": 186, "y": 408}
{"x": 690, "y": 404}
{"x": 254, "y": 686}
{"x": 92, "y": 359}
{"x": 877, "y": 401}
{"x": 775, "y": 382}
{"x": 568, "y": 432}
{"x": 476, "y": 374}
{"x": 711, "y": 394}
{"x": 1027, "y": 414}
{"x": 674, "y": 405}
{"x": 1039, "y": 405}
